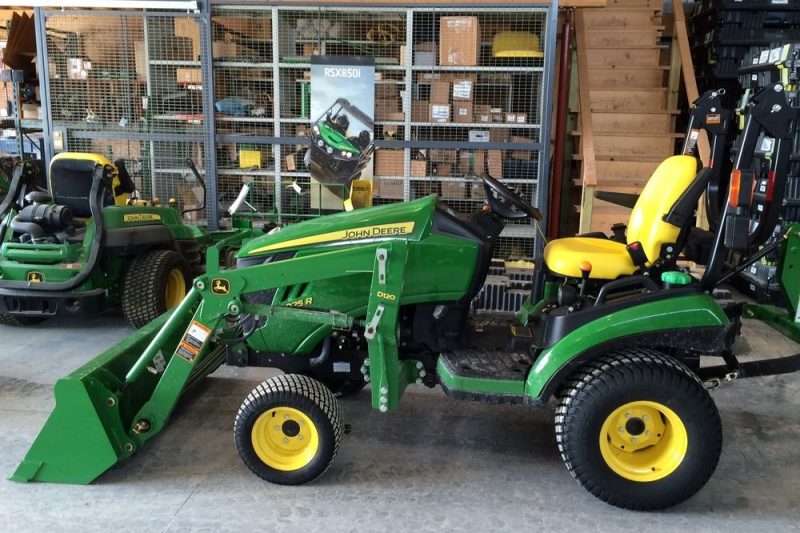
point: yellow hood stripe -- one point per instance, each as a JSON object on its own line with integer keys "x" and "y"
{"x": 364, "y": 232}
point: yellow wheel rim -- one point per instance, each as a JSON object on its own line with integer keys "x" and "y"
{"x": 285, "y": 439}
{"x": 643, "y": 441}
{"x": 175, "y": 291}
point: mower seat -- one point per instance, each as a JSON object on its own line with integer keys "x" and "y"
{"x": 70, "y": 182}
{"x": 610, "y": 259}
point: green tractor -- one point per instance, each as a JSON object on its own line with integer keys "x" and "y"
{"x": 338, "y": 155}
{"x": 82, "y": 246}
{"x": 613, "y": 331}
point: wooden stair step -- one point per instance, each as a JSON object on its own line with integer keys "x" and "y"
{"x": 628, "y": 67}
{"x": 578, "y": 133}
{"x": 632, "y": 158}
{"x": 630, "y": 111}
{"x": 623, "y": 47}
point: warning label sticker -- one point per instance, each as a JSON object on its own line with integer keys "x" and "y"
{"x": 193, "y": 341}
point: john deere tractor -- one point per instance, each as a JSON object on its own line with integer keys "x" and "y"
{"x": 80, "y": 246}
{"x": 612, "y": 331}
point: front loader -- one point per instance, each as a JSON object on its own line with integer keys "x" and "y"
{"x": 615, "y": 331}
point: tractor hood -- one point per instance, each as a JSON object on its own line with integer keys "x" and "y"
{"x": 411, "y": 220}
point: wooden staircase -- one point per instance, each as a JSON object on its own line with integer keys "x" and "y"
{"x": 626, "y": 105}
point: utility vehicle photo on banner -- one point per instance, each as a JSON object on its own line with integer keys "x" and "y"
{"x": 342, "y": 138}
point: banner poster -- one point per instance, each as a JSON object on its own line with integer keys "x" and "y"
{"x": 342, "y": 124}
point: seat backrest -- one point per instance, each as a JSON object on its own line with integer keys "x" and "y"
{"x": 70, "y": 181}
{"x": 646, "y": 225}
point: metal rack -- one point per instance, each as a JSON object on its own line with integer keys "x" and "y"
{"x": 254, "y": 51}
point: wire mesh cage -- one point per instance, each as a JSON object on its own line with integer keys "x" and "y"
{"x": 457, "y": 91}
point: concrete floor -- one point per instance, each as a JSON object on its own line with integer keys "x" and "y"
{"x": 436, "y": 464}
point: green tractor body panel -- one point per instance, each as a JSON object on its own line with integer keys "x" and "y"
{"x": 438, "y": 267}
{"x": 675, "y": 313}
{"x": 407, "y": 220}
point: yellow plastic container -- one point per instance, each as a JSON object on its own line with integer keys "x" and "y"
{"x": 516, "y": 44}
{"x": 249, "y": 158}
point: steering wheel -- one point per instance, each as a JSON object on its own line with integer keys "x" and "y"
{"x": 507, "y": 203}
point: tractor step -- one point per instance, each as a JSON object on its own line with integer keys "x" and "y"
{"x": 486, "y": 375}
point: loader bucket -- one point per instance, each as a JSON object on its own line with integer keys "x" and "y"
{"x": 90, "y": 428}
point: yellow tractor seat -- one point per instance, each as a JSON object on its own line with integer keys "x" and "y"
{"x": 610, "y": 259}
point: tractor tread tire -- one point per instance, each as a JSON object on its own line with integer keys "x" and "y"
{"x": 20, "y": 321}
{"x": 577, "y": 408}
{"x": 143, "y": 298}
{"x": 305, "y": 394}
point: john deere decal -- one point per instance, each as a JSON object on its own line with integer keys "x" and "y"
{"x": 35, "y": 277}
{"x": 380, "y": 231}
{"x": 143, "y": 217}
{"x": 220, "y": 286}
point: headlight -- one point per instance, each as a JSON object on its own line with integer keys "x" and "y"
{"x": 344, "y": 153}
{"x": 330, "y": 150}
{"x": 316, "y": 130}
{"x": 349, "y": 155}
{"x": 320, "y": 143}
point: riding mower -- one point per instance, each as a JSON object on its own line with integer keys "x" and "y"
{"x": 613, "y": 331}
{"x": 81, "y": 245}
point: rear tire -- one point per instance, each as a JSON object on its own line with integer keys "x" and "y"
{"x": 20, "y": 321}
{"x": 154, "y": 283}
{"x": 288, "y": 430}
{"x": 638, "y": 430}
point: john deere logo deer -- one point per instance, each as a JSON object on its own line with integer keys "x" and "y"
{"x": 35, "y": 277}
{"x": 220, "y": 286}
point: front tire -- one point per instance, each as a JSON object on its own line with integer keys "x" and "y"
{"x": 638, "y": 430}
{"x": 154, "y": 283}
{"x": 288, "y": 430}
{"x": 20, "y": 321}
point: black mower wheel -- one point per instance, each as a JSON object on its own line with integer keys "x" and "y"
{"x": 288, "y": 430}
{"x": 20, "y": 321}
{"x": 155, "y": 282}
{"x": 638, "y": 430}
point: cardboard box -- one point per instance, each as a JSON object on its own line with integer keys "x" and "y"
{"x": 459, "y": 41}
{"x": 403, "y": 55}
{"x": 478, "y": 191}
{"x": 494, "y": 163}
{"x": 523, "y": 155}
{"x": 482, "y": 113}
{"x": 254, "y": 28}
{"x": 75, "y": 69}
{"x": 289, "y": 163}
{"x": 479, "y": 136}
{"x": 425, "y": 54}
{"x": 189, "y": 75}
{"x": 189, "y": 27}
{"x": 454, "y": 189}
{"x": 479, "y": 162}
{"x": 522, "y": 118}
{"x": 442, "y": 169}
{"x": 439, "y": 113}
{"x": 499, "y": 135}
{"x": 462, "y": 112}
{"x": 386, "y": 108}
{"x": 223, "y": 49}
{"x": 389, "y": 162}
{"x": 464, "y": 87}
{"x": 386, "y": 91}
{"x": 140, "y": 60}
{"x": 30, "y": 111}
{"x": 387, "y": 188}
{"x": 440, "y": 92}
{"x": 418, "y": 169}
{"x": 441, "y": 155}
{"x": 193, "y": 216}
{"x": 420, "y": 110}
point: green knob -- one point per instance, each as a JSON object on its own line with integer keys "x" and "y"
{"x": 676, "y": 278}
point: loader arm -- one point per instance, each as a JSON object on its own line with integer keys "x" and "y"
{"x": 128, "y": 394}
